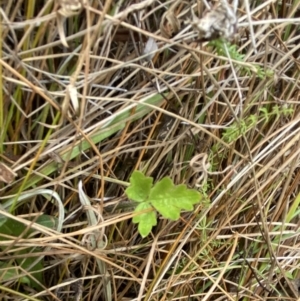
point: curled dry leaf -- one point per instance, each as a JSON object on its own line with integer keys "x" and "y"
{"x": 219, "y": 22}
{"x": 69, "y": 7}
{"x": 7, "y": 175}
{"x": 60, "y": 27}
{"x": 200, "y": 165}
{"x": 169, "y": 25}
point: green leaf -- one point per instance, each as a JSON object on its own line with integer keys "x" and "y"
{"x": 140, "y": 187}
{"x": 11, "y": 227}
{"x": 33, "y": 266}
{"x": 293, "y": 210}
{"x": 8, "y": 271}
{"x": 47, "y": 221}
{"x": 145, "y": 220}
{"x": 165, "y": 197}
{"x": 2, "y": 220}
{"x": 289, "y": 275}
{"x": 169, "y": 199}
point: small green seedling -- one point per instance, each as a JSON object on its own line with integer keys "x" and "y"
{"x": 164, "y": 197}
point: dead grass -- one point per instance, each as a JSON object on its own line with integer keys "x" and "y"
{"x": 97, "y": 110}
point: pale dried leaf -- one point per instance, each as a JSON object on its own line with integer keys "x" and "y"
{"x": 74, "y": 97}
{"x": 61, "y": 32}
{"x": 150, "y": 48}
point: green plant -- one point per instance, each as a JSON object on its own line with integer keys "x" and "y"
{"x": 165, "y": 197}
{"x": 13, "y": 270}
{"x": 222, "y": 47}
{"x": 234, "y": 131}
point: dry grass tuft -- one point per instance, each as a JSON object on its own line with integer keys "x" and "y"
{"x": 83, "y": 100}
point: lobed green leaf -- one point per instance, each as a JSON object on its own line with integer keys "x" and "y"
{"x": 146, "y": 220}
{"x": 169, "y": 199}
{"x": 140, "y": 187}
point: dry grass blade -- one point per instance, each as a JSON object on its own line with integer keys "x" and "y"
{"x": 93, "y": 90}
